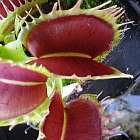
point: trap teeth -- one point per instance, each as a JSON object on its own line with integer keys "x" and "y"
{"x": 125, "y": 23}
{"x": 120, "y": 14}
{"x": 1, "y": 17}
{"x": 102, "y": 5}
{"x": 13, "y": 5}
{"x": 59, "y": 5}
{"x": 39, "y": 10}
{"x": 110, "y": 9}
{"x": 28, "y": 14}
{"x": 124, "y": 30}
{"x": 5, "y": 8}
{"x": 117, "y": 12}
{"x": 54, "y": 7}
{"x": 78, "y": 4}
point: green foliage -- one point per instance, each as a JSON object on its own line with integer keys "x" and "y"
{"x": 13, "y": 51}
{"x": 87, "y": 3}
{"x": 68, "y": 81}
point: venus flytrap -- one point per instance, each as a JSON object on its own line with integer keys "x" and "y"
{"x": 63, "y": 44}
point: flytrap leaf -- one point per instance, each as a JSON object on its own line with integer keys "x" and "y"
{"x": 23, "y": 93}
{"x": 79, "y": 119}
{"x": 86, "y": 31}
{"x": 74, "y": 30}
{"x": 75, "y": 33}
{"x": 9, "y": 9}
{"x": 83, "y": 34}
{"x": 70, "y": 67}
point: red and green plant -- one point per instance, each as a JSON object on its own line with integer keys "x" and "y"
{"x": 62, "y": 44}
